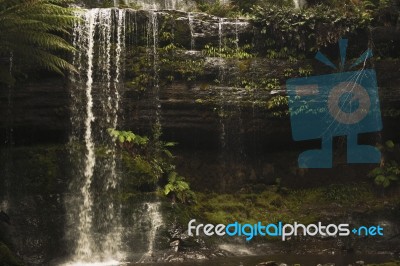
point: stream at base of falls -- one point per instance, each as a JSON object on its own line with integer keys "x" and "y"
{"x": 281, "y": 260}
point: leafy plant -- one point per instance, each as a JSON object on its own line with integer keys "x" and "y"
{"x": 229, "y": 50}
{"x": 127, "y": 137}
{"x": 279, "y": 106}
{"x": 31, "y": 35}
{"x": 389, "y": 171}
{"x": 178, "y": 189}
{"x": 306, "y": 29}
{"x": 217, "y": 8}
{"x": 386, "y": 175}
{"x": 150, "y": 164}
{"x": 305, "y": 72}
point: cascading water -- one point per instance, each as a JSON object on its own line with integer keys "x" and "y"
{"x": 224, "y": 2}
{"x": 113, "y": 239}
{"x": 192, "y": 40}
{"x": 94, "y": 215}
{"x": 220, "y": 33}
{"x": 299, "y": 3}
{"x": 85, "y": 241}
{"x": 152, "y": 37}
{"x": 230, "y": 120}
{"x": 237, "y": 33}
{"x": 94, "y": 220}
{"x": 94, "y": 226}
{"x": 221, "y": 77}
{"x": 156, "y": 221}
{"x": 160, "y": 4}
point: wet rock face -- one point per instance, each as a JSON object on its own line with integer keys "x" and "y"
{"x": 37, "y": 226}
{"x": 35, "y": 182}
{"x": 38, "y": 111}
{"x": 202, "y": 27}
{"x": 217, "y": 103}
{"x": 194, "y": 109}
{"x": 143, "y": 4}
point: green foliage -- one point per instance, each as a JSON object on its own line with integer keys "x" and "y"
{"x": 230, "y": 49}
{"x": 269, "y": 206}
{"x": 245, "y": 6}
{"x": 281, "y": 53}
{"x": 176, "y": 66}
{"x": 36, "y": 169}
{"x": 386, "y": 175}
{"x": 31, "y": 33}
{"x": 279, "y": 106}
{"x": 141, "y": 69}
{"x": 379, "y": 11}
{"x": 389, "y": 171}
{"x": 305, "y": 72}
{"x": 173, "y": 64}
{"x": 217, "y": 8}
{"x": 307, "y": 29}
{"x": 127, "y": 137}
{"x": 343, "y": 194}
{"x": 301, "y": 205}
{"x": 178, "y": 189}
{"x": 142, "y": 164}
{"x": 148, "y": 163}
{"x": 252, "y": 85}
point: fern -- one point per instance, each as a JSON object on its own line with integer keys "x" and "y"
{"x": 34, "y": 32}
{"x": 178, "y": 189}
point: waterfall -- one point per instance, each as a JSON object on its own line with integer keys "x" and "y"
{"x": 192, "y": 40}
{"x": 156, "y": 221}
{"x": 299, "y": 3}
{"x": 221, "y": 77}
{"x": 152, "y": 41}
{"x": 93, "y": 213}
{"x": 85, "y": 242}
{"x": 237, "y": 34}
{"x": 220, "y": 33}
{"x": 113, "y": 239}
{"x": 160, "y": 4}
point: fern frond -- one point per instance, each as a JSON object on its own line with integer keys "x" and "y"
{"x": 33, "y": 30}
{"x": 46, "y": 41}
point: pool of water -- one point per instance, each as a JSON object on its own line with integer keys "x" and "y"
{"x": 305, "y": 260}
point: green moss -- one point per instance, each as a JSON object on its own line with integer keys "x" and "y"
{"x": 305, "y": 205}
{"x": 230, "y": 49}
{"x": 217, "y": 8}
{"x": 36, "y": 168}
